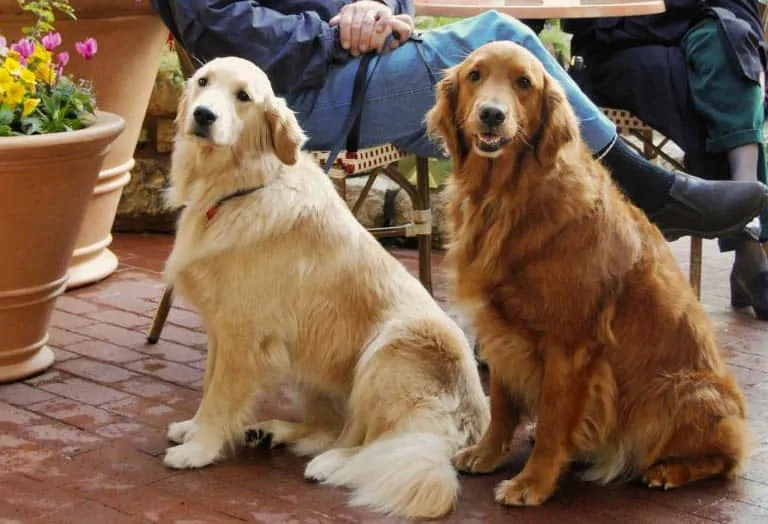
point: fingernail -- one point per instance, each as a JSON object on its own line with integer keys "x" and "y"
{"x": 363, "y": 48}
{"x": 345, "y": 45}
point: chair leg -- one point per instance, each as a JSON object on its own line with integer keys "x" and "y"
{"x": 423, "y": 218}
{"x": 694, "y": 271}
{"x": 161, "y": 314}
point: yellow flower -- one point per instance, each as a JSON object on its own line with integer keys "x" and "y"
{"x": 5, "y": 78}
{"x": 45, "y": 73}
{"x": 14, "y": 94}
{"x": 40, "y": 53}
{"x": 11, "y": 64}
{"x": 27, "y": 76}
{"x": 29, "y": 105}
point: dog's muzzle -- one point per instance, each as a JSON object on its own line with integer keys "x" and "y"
{"x": 490, "y": 139}
{"x": 204, "y": 119}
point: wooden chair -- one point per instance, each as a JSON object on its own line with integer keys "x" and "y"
{"x": 652, "y": 149}
{"x": 372, "y": 161}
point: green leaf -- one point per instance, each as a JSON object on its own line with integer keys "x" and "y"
{"x": 6, "y": 115}
{"x": 32, "y": 125}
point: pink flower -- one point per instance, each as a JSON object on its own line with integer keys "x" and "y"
{"x": 24, "y": 47}
{"x": 62, "y": 59}
{"x": 51, "y": 41}
{"x": 87, "y": 48}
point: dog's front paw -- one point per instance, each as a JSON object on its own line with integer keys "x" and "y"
{"x": 478, "y": 459}
{"x": 523, "y": 490}
{"x": 180, "y": 432}
{"x": 191, "y": 455}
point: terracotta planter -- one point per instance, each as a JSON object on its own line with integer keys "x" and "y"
{"x": 131, "y": 39}
{"x": 46, "y": 183}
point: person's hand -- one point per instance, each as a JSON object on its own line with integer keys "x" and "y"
{"x": 403, "y": 27}
{"x": 400, "y": 25}
{"x": 365, "y": 25}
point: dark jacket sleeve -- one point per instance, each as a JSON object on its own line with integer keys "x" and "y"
{"x": 291, "y": 42}
{"x": 595, "y": 35}
{"x": 294, "y": 50}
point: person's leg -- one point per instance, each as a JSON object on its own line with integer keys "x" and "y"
{"x": 651, "y": 82}
{"x": 401, "y": 91}
{"x": 732, "y": 107}
{"x": 446, "y": 46}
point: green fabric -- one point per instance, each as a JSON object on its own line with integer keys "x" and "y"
{"x": 730, "y": 103}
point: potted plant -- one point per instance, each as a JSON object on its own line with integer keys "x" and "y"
{"x": 130, "y": 40}
{"x": 52, "y": 146}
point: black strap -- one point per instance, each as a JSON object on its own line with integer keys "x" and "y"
{"x": 239, "y": 193}
{"x": 350, "y": 133}
{"x": 359, "y": 88}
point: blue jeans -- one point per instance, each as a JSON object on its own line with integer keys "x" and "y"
{"x": 402, "y": 90}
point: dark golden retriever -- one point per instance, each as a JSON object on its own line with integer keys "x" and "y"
{"x": 583, "y": 315}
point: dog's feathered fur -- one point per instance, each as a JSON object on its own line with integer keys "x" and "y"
{"x": 289, "y": 284}
{"x": 582, "y": 313}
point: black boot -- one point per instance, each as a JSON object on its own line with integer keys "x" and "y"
{"x": 752, "y": 293}
{"x": 708, "y": 208}
{"x": 680, "y": 204}
{"x": 749, "y": 277}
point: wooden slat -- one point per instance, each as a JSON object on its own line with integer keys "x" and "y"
{"x": 540, "y": 8}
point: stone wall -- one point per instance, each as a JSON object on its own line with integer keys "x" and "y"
{"x": 142, "y": 207}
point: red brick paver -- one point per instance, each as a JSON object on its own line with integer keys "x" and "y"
{"x": 83, "y": 442}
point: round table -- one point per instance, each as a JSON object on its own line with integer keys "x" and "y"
{"x": 539, "y": 8}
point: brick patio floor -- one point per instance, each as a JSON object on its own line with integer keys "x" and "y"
{"x": 83, "y": 442}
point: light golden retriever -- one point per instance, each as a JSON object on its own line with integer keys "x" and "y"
{"x": 583, "y": 315}
{"x": 289, "y": 284}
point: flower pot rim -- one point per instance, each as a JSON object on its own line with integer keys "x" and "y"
{"x": 106, "y": 123}
{"x": 87, "y": 9}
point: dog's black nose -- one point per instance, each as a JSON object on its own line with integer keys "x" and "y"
{"x": 204, "y": 117}
{"x": 492, "y": 115}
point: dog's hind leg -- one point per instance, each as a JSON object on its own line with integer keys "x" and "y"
{"x": 323, "y": 466}
{"x": 494, "y": 446}
{"x": 303, "y": 439}
{"x": 709, "y": 436}
{"x": 323, "y": 422}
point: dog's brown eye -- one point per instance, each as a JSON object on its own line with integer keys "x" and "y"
{"x": 474, "y": 76}
{"x": 523, "y": 82}
{"x": 202, "y": 81}
{"x": 243, "y": 96}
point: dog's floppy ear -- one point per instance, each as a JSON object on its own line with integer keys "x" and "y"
{"x": 557, "y": 121}
{"x": 284, "y": 130}
{"x": 442, "y": 120}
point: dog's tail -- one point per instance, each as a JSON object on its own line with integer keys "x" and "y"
{"x": 408, "y": 475}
